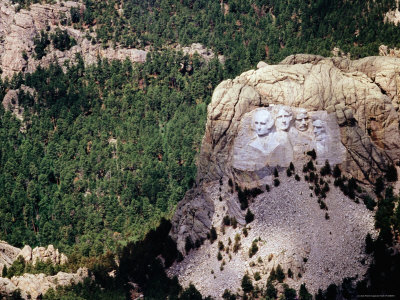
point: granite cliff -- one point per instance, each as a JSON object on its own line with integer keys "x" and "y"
{"x": 33, "y": 286}
{"x": 347, "y": 112}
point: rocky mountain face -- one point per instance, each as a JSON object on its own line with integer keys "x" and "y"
{"x": 263, "y": 123}
{"x": 18, "y": 28}
{"x": 35, "y": 285}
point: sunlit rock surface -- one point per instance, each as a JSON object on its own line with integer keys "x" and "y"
{"x": 266, "y": 119}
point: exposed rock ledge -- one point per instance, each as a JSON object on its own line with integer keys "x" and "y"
{"x": 18, "y": 29}
{"x": 8, "y": 254}
{"x": 35, "y": 285}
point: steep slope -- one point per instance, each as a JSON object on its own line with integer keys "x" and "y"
{"x": 349, "y": 112}
{"x": 292, "y": 231}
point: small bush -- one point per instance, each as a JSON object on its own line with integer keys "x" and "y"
{"x": 322, "y": 205}
{"x": 280, "y": 275}
{"x": 303, "y": 293}
{"x": 310, "y": 166}
{"x": 288, "y": 172}
{"x": 297, "y": 177}
{"x": 326, "y": 187}
{"x": 257, "y": 276}
{"x": 276, "y": 174}
{"x": 276, "y": 182}
{"x": 245, "y": 232}
{"x": 312, "y": 177}
{"x": 253, "y": 249}
{"x": 271, "y": 291}
{"x": 290, "y": 294}
{"x": 312, "y": 153}
{"x": 326, "y": 169}
{"x": 41, "y": 41}
{"x": 291, "y": 166}
{"x": 379, "y": 186}
{"x": 220, "y": 245}
{"x": 213, "y": 234}
{"x": 290, "y": 273}
{"x": 317, "y": 190}
{"x": 326, "y": 216}
{"x": 247, "y": 284}
{"x": 337, "y": 172}
{"x": 236, "y": 246}
{"x": 369, "y": 202}
{"x": 219, "y": 256}
{"x": 267, "y": 188}
{"x": 227, "y": 295}
{"x": 249, "y": 216}
{"x": 234, "y": 222}
{"x": 226, "y": 220}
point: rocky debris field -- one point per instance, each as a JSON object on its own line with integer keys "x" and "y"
{"x": 290, "y": 229}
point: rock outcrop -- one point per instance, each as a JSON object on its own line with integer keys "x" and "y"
{"x": 33, "y": 286}
{"x": 362, "y": 94}
{"x": 8, "y": 254}
{"x": 19, "y": 28}
{"x": 199, "y": 49}
{"x": 265, "y": 119}
{"x": 391, "y": 52}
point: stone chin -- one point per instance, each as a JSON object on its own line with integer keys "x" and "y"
{"x": 302, "y": 127}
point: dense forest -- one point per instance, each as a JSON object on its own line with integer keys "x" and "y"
{"x": 108, "y": 150}
{"x": 245, "y": 31}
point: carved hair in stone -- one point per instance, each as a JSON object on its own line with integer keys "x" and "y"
{"x": 283, "y": 119}
{"x": 262, "y": 122}
{"x": 302, "y": 120}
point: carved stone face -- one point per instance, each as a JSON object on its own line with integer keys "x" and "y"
{"x": 302, "y": 121}
{"x": 263, "y": 122}
{"x": 283, "y": 119}
{"x": 319, "y": 130}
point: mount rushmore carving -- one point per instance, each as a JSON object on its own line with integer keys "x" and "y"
{"x": 275, "y": 136}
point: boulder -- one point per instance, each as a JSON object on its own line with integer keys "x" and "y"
{"x": 8, "y": 254}
{"x": 26, "y": 253}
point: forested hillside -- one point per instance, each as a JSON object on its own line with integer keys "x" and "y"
{"x": 246, "y": 31}
{"x": 109, "y": 149}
